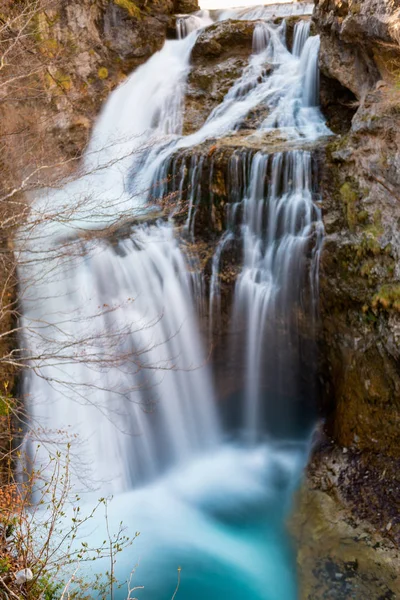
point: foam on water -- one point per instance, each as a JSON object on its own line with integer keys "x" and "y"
{"x": 220, "y": 520}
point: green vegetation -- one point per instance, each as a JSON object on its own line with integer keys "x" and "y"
{"x": 350, "y": 196}
{"x": 387, "y": 297}
{"x": 59, "y": 79}
{"x": 102, "y": 73}
{"x": 130, "y": 7}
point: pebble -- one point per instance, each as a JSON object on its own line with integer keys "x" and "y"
{"x": 23, "y": 576}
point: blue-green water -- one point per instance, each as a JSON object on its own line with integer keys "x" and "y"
{"x": 220, "y": 520}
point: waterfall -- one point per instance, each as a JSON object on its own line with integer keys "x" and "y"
{"x": 128, "y": 367}
{"x": 280, "y": 227}
{"x": 130, "y": 360}
{"x": 186, "y": 24}
{"x": 301, "y": 35}
{"x": 271, "y": 10}
{"x": 116, "y": 325}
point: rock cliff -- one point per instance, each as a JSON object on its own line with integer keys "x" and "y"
{"x": 353, "y": 488}
{"x": 360, "y": 276}
{"x": 72, "y": 55}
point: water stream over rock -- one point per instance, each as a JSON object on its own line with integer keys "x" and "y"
{"x": 116, "y": 327}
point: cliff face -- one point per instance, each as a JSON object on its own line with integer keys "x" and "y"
{"x": 353, "y": 486}
{"x": 360, "y": 275}
{"x": 359, "y": 41}
{"x": 71, "y": 55}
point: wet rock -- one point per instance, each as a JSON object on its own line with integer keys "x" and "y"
{"x": 360, "y": 275}
{"x": 223, "y": 39}
{"x": 207, "y": 86}
{"x": 219, "y": 56}
{"x": 339, "y": 524}
{"x": 360, "y": 278}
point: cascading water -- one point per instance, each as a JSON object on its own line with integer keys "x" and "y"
{"x": 186, "y": 24}
{"x": 277, "y": 228}
{"x": 114, "y": 339}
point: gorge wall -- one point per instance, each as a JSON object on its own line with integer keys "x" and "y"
{"x": 349, "y": 505}
{"x": 360, "y": 277}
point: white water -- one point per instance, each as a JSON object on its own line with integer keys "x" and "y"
{"x": 268, "y": 10}
{"x": 124, "y": 368}
{"x": 114, "y": 340}
{"x": 277, "y": 228}
{"x": 186, "y": 24}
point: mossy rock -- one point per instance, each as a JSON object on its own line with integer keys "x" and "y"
{"x": 350, "y": 196}
{"x": 387, "y": 297}
{"x": 130, "y": 7}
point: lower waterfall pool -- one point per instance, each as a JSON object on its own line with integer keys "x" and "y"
{"x": 214, "y": 528}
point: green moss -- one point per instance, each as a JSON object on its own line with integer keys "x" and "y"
{"x": 102, "y": 73}
{"x": 367, "y": 268}
{"x": 387, "y": 297}
{"x": 369, "y": 316}
{"x": 5, "y": 400}
{"x": 387, "y": 60}
{"x": 63, "y": 81}
{"x": 363, "y": 216}
{"x": 338, "y": 143}
{"x": 377, "y": 219}
{"x": 369, "y": 244}
{"x": 49, "y": 47}
{"x": 5, "y": 565}
{"x": 59, "y": 80}
{"x": 349, "y": 195}
{"x": 130, "y": 7}
{"x": 4, "y": 407}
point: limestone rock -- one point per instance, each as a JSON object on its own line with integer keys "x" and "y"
{"x": 359, "y": 41}
{"x": 341, "y": 554}
{"x": 88, "y": 47}
{"x": 360, "y": 183}
{"x": 219, "y": 56}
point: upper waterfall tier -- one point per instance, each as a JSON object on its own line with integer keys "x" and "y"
{"x": 141, "y": 124}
